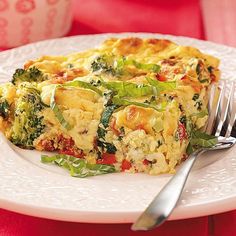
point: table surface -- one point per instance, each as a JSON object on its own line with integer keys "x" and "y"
{"x": 177, "y": 17}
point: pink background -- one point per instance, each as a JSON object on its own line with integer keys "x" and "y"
{"x": 25, "y": 21}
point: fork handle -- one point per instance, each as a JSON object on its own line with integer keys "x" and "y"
{"x": 163, "y": 204}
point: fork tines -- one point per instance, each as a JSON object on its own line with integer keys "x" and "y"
{"x": 231, "y": 115}
{"x": 222, "y": 109}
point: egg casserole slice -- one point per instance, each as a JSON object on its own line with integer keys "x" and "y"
{"x": 133, "y": 104}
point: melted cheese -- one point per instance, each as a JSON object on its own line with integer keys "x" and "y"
{"x": 135, "y": 117}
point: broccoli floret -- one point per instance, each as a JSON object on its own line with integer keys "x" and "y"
{"x": 28, "y": 122}
{"x": 106, "y": 63}
{"x": 103, "y": 63}
{"x": 32, "y": 74}
{"x": 4, "y": 108}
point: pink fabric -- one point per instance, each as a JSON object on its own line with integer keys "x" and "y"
{"x": 178, "y": 17}
{"x": 14, "y": 224}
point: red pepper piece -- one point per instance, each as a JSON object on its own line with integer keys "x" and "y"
{"x": 125, "y": 165}
{"x": 182, "y": 132}
{"x": 107, "y": 159}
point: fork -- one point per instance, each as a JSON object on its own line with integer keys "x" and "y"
{"x": 221, "y": 122}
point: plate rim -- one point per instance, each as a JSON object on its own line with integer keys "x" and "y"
{"x": 114, "y": 217}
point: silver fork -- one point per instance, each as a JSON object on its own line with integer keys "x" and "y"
{"x": 222, "y": 107}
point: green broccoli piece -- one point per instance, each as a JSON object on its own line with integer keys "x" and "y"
{"x": 4, "y": 108}
{"x": 103, "y": 63}
{"x": 32, "y": 74}
{"x": 28, "y": 122}
{"x": 106, "y": 63}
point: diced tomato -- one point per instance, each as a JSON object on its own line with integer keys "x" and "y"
{"x": 161, "y": 77}
{"x": 113, "y": 127}
{"x": 182, "y": 132}
{"x": 146, "y": 162}
{"x": 47, "y": 145}
{"x": 184, "y": 77}
{"x": 60, "y": 73}
{"x": 125, "y": 165}
{"x": 213, "y": 78}
{"x": 107, "y": 159}
{"x": 184, "y": 157}
{"x": 65, "y": 143}
{"x": 72, "y": 152}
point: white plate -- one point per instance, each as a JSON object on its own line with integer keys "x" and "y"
{"x": 32, "y": 188}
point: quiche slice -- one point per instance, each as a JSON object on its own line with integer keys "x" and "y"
{"x": 133, "y": 104}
